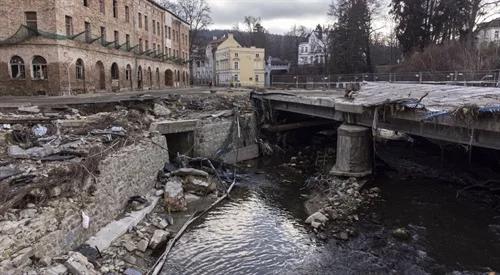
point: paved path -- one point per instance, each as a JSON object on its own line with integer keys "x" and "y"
{"x": 14, "y": 102}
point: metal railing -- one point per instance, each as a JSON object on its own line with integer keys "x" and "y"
{"x": 489, "y": 78}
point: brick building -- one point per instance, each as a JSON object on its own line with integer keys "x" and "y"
{"x": 58, "y": 47}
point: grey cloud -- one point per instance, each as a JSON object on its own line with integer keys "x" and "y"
{"x": 229, "y": 12}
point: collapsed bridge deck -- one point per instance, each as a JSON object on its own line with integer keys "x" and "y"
{"x": 465, "y": 115}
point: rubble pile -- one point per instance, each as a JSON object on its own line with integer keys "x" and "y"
{"x": 49, "y": 165}
{"x": 336, "y": 203}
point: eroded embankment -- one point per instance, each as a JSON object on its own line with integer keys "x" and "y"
{"x": 66, "y": 172}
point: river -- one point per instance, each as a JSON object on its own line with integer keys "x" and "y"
{"x": 261, "y": 231}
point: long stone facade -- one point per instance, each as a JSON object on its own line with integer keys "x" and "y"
{"x": 60, "y": 47}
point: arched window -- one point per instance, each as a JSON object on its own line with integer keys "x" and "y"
{"x": 80, "y": 69}
{"x": 128, "y": 73}
{"x": 39, "y": 68}
{"x": 17, "y": 68}
{"x": 115, "y": 72}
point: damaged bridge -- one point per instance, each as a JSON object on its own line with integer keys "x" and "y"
{"x": 463, "y": 115}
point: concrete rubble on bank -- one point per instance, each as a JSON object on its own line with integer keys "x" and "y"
{"x": 57, "y": 162}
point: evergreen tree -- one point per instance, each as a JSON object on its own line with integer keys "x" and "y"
{"x": 350, "y": 37}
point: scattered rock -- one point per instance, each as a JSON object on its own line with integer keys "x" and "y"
{"x": 46, "y": 261}
{"x": 344, "y": 236}
{"x": 191, "y": 198}
{"x": 174, "y": 195}
{"x": 142, "y": 245}
{"x": 129, "y": 245}
{"x": 317, "y": 217}
{"x": 131, "y": 271}
{"x": 79, "y": 265}
{"x": 27, "y": 213}
{"x": 39, "y": 130}
{"x": 159, "y": 192}
{"x": 17, "y": 152}
{"x": 59, "y": 269}
{"x": 159, "y": 236}
{"x": 55, "y": 192}
{"x": 22, "y": 258}
{"x": 198, "y": 186}
{"x": 130, "y": 259}
{"x": 29, "y": 109}
{"x": 160, "y": 110}
{"x": 401, "y": 234}
{"x": 316, "y": 225}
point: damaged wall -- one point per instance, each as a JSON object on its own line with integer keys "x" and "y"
{"x": 57, "y": 227}
{"x": 222, "y": 135}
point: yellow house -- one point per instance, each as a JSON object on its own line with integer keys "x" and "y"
{"x": 238, "y": 66}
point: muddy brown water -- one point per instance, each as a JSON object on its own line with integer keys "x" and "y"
{"x": 261, "y": 231}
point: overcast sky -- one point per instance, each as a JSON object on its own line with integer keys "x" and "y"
{"x": 278, "y": 15}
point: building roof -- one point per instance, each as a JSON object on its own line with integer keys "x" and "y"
{"x": 275, "y": 61}
{"x": 495, "y": 23}
{"x": 167, "y": 10}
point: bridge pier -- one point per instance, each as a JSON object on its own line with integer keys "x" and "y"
{"x": 354, "y": 151}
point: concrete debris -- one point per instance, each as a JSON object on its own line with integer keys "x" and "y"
{"x": 39, "y": 130}
{"x": 161, "y": 111}
{"x": 17, "y": 152}
{"x": 142, "y": 245}
{"x": 79, "y": 264}
{"x": 199, "y": 186}
{"x": 8, "y": 171}
{"x": 129, "y": 245}
{"x": 59, "y": 269}
{"x": 85, "y": 220}
{"x": 131, "y": 271}
{"x": 190, "y": 198}
{"x": 174, "y": 195}
{"x": 317, "y": 217}
{"x": 29, "y": 109}
{"x": 159, "y": 236}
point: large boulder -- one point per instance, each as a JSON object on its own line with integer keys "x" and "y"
{"x": 160, "y": 110}
{"x": 174, "y": 195}
{"x": 158, "y": 237}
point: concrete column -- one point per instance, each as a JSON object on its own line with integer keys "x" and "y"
{"x": 354, "y": 150}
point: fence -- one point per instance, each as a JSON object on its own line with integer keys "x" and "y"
{"x": 465, "y": 78}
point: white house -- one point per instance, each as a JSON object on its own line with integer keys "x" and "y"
{"x": 314, "y": 51}
{"x": 489, "y": 33}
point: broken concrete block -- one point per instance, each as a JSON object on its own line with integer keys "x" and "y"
{"x": 55, "y": 192}
{"x": 22, "y": 258}
{"x": 158, "y": 237}
{"x": 46, "y": 261}
{"x": 160, "y": 110}
{"x": 59, "y": 269}
{"x": 129, "y": 245}
{"x": 199, "y": 186}
{"x": 174, "y": 195}
{"x": 29, "y": 109}
{"x": 142, "y": 245}
{"x": 79, "y": 264}
{"x": 27, "y": 213}
{"x": 15, "y": 151}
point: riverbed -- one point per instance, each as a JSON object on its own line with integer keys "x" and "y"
{"x": 261, "y": 230}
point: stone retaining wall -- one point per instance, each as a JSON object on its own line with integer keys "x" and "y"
{"x": 56, "y": 228}
{"x": 214, "y": 135}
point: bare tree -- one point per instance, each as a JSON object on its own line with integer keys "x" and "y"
{"x": 252, "y": 22}
{"x": 479, "y": 11}
{"x": 195, "y": 12}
